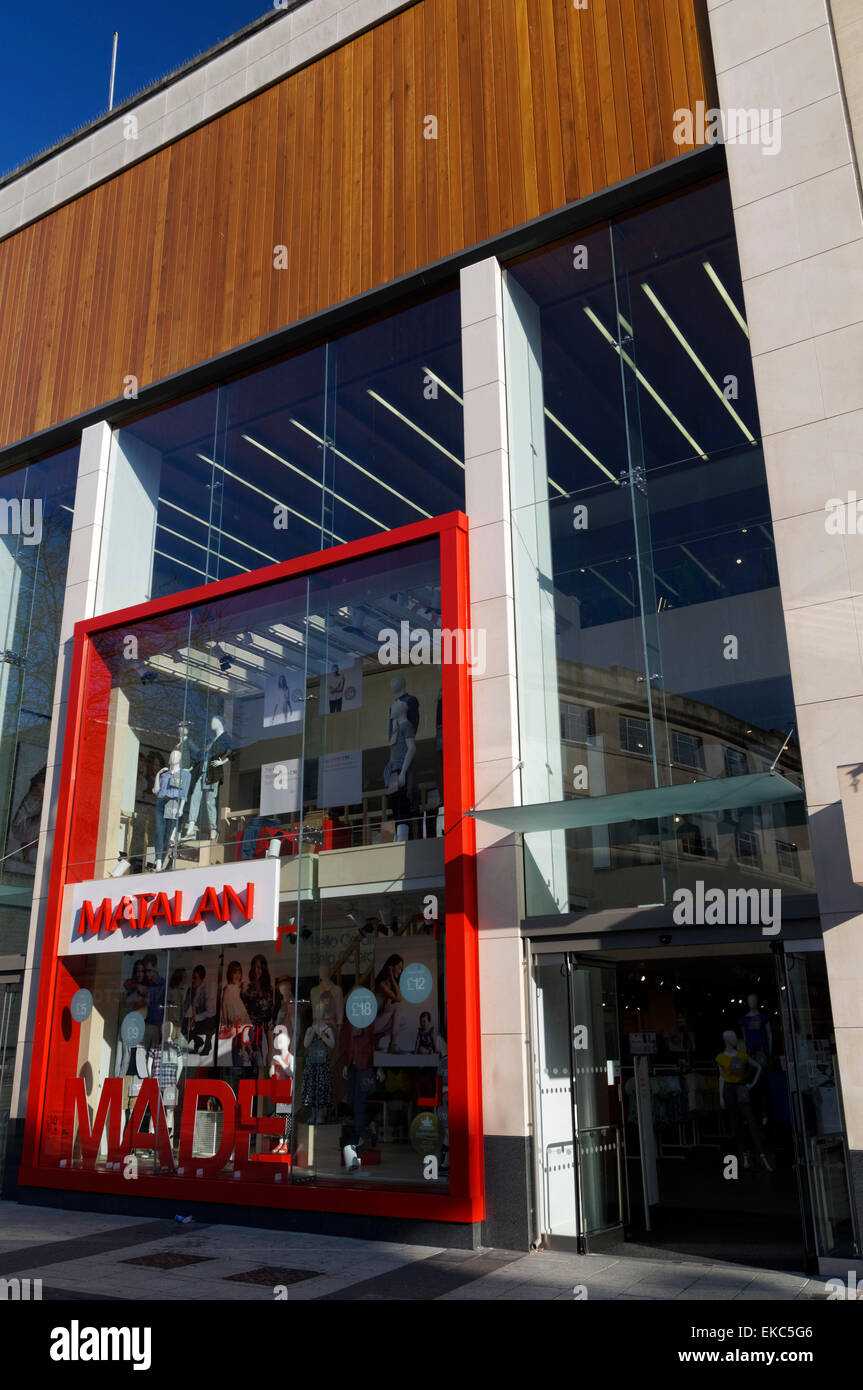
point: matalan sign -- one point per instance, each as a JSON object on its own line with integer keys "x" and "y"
{"x": 194, "y": 907}
{"x": 144, "y": 910}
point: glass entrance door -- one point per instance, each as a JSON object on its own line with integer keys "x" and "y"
{"x": 579, "y": 1129}
{"x": 813, "y": 1080}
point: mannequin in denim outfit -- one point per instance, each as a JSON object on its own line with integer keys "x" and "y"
{"x": 207, "y": 775}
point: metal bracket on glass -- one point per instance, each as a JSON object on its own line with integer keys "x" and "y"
{"x": 12, "y": 658}
{"x": 655, "y": 676}
{"x": 636, "y": 476}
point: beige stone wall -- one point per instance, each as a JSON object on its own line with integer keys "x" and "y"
{"x": 800, "y": 237}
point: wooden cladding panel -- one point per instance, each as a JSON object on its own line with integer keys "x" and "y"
{"x": 171, "y": 261}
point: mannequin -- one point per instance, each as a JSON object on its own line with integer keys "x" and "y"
{"x": 335, "y": 1012}
{"x": 758, "y": 1041}
{"x": 319, "y": 1041}
{"x": 756, "y": 1030}
{"x": 171, "y": 789}
{"x": 734, "y": 1064}
{"x": 398, "y": 773}
{"x": 207, "y": 775}
{"x": 399, "y": 692}
{"x": 359, "y": 1072}
{"x": 282, "y": 1069}
{"x": 164, "y": 1064}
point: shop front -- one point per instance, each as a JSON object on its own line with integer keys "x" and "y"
{"x": 259, "y": 982}
{"x": 688, "y": 1101}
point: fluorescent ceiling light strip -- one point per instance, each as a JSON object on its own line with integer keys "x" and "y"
{"x": 187, "y": 540}
{"x": 611, "y": 586}
{"x": 375, "y": 397}
{"x": 175, "y": 561}
{"x": 624, "y": 324}
{"x": 704, "y": 568}
{"x": 583, "y": 447}
{"x": 290, "y": 634}
{"x": 726, "y": 296}
{"x": 293, "y": 511}
{"x": 264, "y": 450}
{"x": 163, "y": 501}
{"x": 456, "y": 397}
{"x": 440, "y": 381}
{"x": 245, "y": 655}
{"x": 693, "y": 355}
{"x": 358, "y": 466}
{"x": 644, "y": 382}
{"x": 665, "y": 583}
{"x": 203, "y": 677}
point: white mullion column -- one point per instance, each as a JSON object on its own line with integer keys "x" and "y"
{"x": 505, "y": 1069}
{"x": 79, "y": 602}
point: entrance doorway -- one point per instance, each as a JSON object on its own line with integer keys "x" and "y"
{"x": 645, "y": 1144}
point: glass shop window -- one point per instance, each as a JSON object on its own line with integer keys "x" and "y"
{"x": 294, "y": 717}
{"x": 326, "y": 1060}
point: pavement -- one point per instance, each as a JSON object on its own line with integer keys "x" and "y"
{"x": 91, "y": 1257}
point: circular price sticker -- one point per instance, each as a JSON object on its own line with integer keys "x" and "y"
{"x": 81, "y": 1005}
{"x": 361, "y": 1007}
{"x": 415, "y": 983}
{"x": 132, "y": 1030}
{"x": 426, "y": 1133}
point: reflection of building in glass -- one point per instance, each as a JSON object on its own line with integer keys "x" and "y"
{"x": 615, "y": 864}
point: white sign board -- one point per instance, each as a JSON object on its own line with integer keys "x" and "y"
{"x": 214, "y": 906}
{"x": 280, "y": 787}
{"x": 340, "y": 779}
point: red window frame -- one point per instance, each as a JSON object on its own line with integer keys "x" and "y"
{"x": 81, "y": 777}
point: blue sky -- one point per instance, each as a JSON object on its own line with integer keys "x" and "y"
{"x": 57, "y": 59}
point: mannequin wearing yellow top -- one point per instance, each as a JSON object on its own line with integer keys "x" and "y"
{"x": 734, "y": 1064}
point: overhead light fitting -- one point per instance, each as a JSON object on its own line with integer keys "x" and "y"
{"x": 584, "y": 449}
{"x": 316, "y": 525}
{"x": 387, "y": 406}
{"x": 359, "y": 467}
{"x": 693, "y": 355}
{"x": 308, "y": 476}
{"x": 609, "y": 338}
{"x": 211, "y": 526}
{"x": 726, "y": 296}
{"x": 427, "y": 371}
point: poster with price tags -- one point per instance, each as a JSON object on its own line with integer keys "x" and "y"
{"x": 408, "y": 1027}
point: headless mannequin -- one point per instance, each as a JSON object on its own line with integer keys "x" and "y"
{"x": 758, "y": 1035}
{"x": 733, "y": 1065}
{"x": 319, "y": 1041}
{"x": 400, "y": 692}
{"x": 398, "y": 774}
{"x": 209, "y": 770}
{"x": 282, "y": 1069}
{"x": 169, "y": 805}
{"x": 334, "y": 1014}
{"x": 165, "y": 1062}
{"x": 758, "y": 1041}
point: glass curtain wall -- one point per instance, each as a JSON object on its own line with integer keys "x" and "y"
{"x": 356, "y": 435}
{"x": 640, "y": 499}
{"x": 36, "y": 507}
